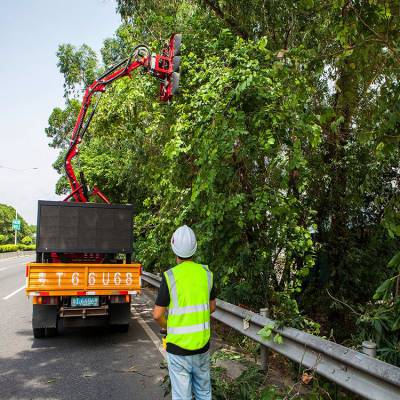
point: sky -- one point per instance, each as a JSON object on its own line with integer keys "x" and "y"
{"x": 31, "y": 86}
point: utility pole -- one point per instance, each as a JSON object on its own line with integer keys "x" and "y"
{"x": 15, "y": 231}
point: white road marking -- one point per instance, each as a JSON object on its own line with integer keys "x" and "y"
{"x": 22, "y": 258}
{"x": 14, "y": 292}
{"x": 153, "y": 337}
{"x": 3, "y": 269}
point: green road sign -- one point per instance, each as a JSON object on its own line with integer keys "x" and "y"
{"x": 16, "y": 224}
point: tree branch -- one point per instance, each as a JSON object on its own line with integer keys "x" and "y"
{"x": 378, "y": 35}
{"x": 230, "y": 21}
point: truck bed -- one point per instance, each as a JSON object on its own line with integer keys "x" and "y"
{"x": 61, "y": 279}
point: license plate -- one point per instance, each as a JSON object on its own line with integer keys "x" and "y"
{"x": 86, "y": 301}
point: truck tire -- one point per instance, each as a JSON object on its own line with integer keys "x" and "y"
{"x": 39, "y": 333}
{"x": 50, "y": 332}
{"x": 122, "y": 328}
{"x": 119, "y": 317}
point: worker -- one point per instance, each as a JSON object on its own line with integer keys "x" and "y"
{"x": 187, "y": 292}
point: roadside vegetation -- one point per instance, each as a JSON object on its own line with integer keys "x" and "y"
{"x": 234, "y": 376}
{"x": 6, "y": 248}
{"x": 281, "y": 151}
{"x": 25, "y": 237}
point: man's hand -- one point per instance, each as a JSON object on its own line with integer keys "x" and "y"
{"x": 159, "y": 315}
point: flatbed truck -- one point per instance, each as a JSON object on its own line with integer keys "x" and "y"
{"x": 83, "y": 274}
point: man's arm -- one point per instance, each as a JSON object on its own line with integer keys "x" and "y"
{"x": 159, "y": 316}
{"x": 213, "y": 305}
{"x": 161, "y": 304}
{"x": 213, "y": 296}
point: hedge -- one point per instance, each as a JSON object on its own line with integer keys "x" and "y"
{"x": 5, "y": 248}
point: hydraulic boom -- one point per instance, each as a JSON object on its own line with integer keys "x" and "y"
{"x": 164, "y": 67}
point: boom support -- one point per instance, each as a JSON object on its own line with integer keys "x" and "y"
{"x": 164, "y": 67}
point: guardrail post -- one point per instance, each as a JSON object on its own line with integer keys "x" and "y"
{"x": 264, "y": 353}
{"x": 369, "y": 348}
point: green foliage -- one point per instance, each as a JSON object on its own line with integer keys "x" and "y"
{"x": 246, "y": 387}
{"x": 61, "y": 123}
{"x": 281, "y": 150}
{"x": 380, "y": 321}
{"x": 78, "y": 65}
{"x": 266, "y": 333}
{"x": 7, "y": 214}
{"x": 286, "y": 312}
{"x": 6, "y": 248}
{"x": 26, "y": 240}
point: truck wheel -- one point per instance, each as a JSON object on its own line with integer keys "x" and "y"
{"x": 119, "y": 317}
{"x": 50, "y": 332}
{"x": 122, "y": 328}
{"x": 38, "y": 333}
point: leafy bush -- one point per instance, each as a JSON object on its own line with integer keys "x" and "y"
{"x": 380, "y": 320}
{"x": 27, "y": 240}
{"x": 6, "y": 248}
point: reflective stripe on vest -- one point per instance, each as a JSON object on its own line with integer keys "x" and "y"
{"x": 209, "y": 277}
{"x": 174, "y": 293}
{"x": 188, "y": 309}
{"x": 188, "y": 329}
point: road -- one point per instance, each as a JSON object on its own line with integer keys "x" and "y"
{"x": 77, "y": 364}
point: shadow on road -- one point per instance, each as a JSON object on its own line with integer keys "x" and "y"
{"x": 84, "y": 364}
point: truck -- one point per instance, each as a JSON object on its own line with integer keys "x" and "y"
{"x": 83, "y": 274}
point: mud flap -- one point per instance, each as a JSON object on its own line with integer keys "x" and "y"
{"x": 44, "y": 316}
{"x": 119, "y": 314}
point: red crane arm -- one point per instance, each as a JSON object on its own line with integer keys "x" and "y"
{"x": 99, "y": 85}
{"x": 164, "y": 67}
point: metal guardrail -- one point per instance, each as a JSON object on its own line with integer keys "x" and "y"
{"x": 355, "y": 371}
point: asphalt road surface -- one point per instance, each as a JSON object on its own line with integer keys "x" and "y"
{"x": 77, "y": 364}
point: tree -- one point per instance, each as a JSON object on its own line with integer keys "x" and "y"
{"x": 7, "y": 214}
{"x": 281, "y": 150}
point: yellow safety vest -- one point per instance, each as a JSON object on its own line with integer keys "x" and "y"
{"x": 188, "y": 324}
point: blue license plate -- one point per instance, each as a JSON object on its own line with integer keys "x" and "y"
{"x": 85, "y": 301}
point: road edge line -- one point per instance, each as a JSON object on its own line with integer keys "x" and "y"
{"x": 14, "y": 292}
{"x": 153, "y": 337}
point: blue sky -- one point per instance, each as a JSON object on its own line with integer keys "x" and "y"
{"x": 31, "y": 86}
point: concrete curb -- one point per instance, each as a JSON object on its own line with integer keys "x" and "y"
{"x": 15, "y": 254}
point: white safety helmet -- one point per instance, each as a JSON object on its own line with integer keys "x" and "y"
{"x": 183, "y": 242}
